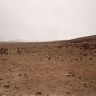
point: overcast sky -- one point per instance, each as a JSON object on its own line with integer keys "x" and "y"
{"x": 43, "y": 20}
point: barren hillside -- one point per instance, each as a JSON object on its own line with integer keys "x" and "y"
{"x": 61, "y": 68}
{"x": 88, "y": 39}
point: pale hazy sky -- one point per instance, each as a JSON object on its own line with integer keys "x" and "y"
{"x": 42, "y": 20}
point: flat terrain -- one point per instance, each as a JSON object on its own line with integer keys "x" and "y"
{"x": 59, "y": 68}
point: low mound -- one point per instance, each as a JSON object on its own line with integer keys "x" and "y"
{"x": 88, "y": 39}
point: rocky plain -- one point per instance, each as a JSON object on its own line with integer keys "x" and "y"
{"x": 57, "y": 68}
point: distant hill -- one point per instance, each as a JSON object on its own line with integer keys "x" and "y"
{"x": 88, "y": 39}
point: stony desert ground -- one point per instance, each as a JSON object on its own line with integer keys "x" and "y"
{"x": 58, "y": 68}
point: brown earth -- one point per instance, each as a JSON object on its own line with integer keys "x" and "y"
{"x": 61, "y": 68}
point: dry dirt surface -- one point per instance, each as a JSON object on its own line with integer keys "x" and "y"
{"x": 59, "y": 68}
